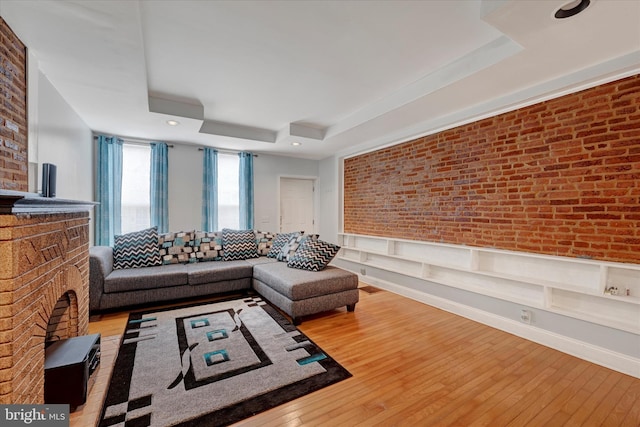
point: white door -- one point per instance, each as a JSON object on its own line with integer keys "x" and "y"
{"x": 296, "y": 205}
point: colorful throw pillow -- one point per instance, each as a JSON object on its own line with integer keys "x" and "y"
{"x": 177, "y": 248}
{"x": 281, "y": 240}
{"x": 292, "y": 245}
{"x": 208, "y": 246}
{"x": 238, "y": 244}
{"x": 313, "y": 255}
{"x": 264, "y": 240}
{"x": 137, "y": 249}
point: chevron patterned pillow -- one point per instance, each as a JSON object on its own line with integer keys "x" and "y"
{"x": 289, "y": 248}
{"x": 238, "y": 244}
{"x": 137, "y": 249}
{"x": 313, "y": 255}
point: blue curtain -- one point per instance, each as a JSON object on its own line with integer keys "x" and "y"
{"x": 159, "y": 187}
{"x": 108, "y": 189}
{"x": 246, "y": 191}
{"x": 210, "y": 190}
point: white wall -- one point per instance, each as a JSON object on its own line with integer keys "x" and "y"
{"x": 64, "y": 140}
{"x": 267, "y": 171}
{"x": 185, "y": 186}
{"x": 329, "y": 187}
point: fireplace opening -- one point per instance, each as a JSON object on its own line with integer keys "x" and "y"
{"x": 63, "y": 322}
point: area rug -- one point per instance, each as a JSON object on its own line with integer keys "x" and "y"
{"x": 212, "y": 365}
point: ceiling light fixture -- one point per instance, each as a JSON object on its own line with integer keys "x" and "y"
{"x": 296, "y": 143}
{"x": 572, "y": 8}
{"x": 173, "y": 122}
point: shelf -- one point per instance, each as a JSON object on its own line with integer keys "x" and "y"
{"x": 624, "y": 276}
{"x": 403, "y": 259}
{"x": 523, "y": 293}
{"x": 541, "y": 282}
{"x": 508, "y": 290}
{"x": 617, "y": 312}
{"x": 544, "y": 270}
{"x": 570, "y": 286}
{"x": 399, "y": 265}
{"x": 625, "y": 299}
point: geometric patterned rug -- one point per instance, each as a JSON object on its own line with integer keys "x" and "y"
{"x": 211, "y": 364}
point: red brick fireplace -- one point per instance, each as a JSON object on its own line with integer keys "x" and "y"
{"x": 44, "y": 295}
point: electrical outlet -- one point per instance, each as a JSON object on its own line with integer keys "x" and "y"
{"x": 363, "y": 271}
{"x": 525, "y": 316}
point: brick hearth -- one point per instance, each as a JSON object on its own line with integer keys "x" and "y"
{"x": 44, "y": 274}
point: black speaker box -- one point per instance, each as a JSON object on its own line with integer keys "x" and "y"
{"x": 70, "y": 369}
{"x": 48, "y": 180}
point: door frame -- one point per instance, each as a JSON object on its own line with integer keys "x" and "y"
{"x": 314, "y": 179}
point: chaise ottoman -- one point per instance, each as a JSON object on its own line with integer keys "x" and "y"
{"x": 301, "y": 293}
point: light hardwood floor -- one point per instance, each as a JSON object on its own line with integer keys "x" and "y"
{"x": 415, "y": 365}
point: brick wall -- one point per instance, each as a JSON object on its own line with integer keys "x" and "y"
{"x": 13, "y": 111}
{"x": 561, "y": 177}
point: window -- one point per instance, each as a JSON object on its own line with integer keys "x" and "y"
{"x": 228, "y": 191}
{"x": 136, "y": 206}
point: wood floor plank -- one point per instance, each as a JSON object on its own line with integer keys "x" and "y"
{"x": 469, "y": 403}
{"x": 517, "y": 398}
{"x": 573, "y": 381}
{"x": 540, "y": 398}
{"x": 488, "y": 396}
{"x": 587, "y": 411}
{"x": 606, "y": 407}
{"x": 415, "y": 365}
{"x": 631, "y": 400}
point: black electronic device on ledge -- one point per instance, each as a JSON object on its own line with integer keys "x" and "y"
{"x": 70, "y": 369}
{"x": 49, "y": 172}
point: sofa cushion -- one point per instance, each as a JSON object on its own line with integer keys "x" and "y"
{"x": 208, "y": 246}
{"x": 145, "y": 278}
{"x": 238, "y": 244}
{"x": 177, "y": 248}
{"x": 137, "y": 249}
{"x": 301, "y": 284}
{"x": 261, "y": 260}
{"x": 313, "y": 255}
{"x": 209, "y": 272}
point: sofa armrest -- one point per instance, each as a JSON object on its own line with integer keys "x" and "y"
{"x": 100, "y": 266}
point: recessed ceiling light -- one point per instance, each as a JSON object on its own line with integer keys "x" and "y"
{"x": 572, "y": 8}
{"x": 173, "y": 122}
{"x": 296, "y": 143}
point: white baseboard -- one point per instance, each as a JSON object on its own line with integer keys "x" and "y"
{"x": 592, "y": 353}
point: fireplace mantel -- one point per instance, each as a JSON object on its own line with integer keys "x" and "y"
{"x": 16, "y": 202}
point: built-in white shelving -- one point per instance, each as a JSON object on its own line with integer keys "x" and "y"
{"x": 573, "y": 287}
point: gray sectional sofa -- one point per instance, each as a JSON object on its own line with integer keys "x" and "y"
{"x": 296, "y": 292}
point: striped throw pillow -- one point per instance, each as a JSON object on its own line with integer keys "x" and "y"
{"x": 313, "y": 255}
{"x": 238, "y": 244}
{"x": 137, "y": 249}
